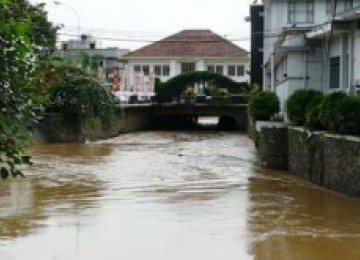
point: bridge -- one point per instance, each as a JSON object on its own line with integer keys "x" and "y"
{"x": 230, "y": 115}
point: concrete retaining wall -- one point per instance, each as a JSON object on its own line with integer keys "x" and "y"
{"x": 306, "y": 154}
{"x": 272, "y": 146}
{"x": 332, "y": 161}
{"x": 55, "y": 128}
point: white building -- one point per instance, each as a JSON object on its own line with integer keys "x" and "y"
{"x": 108, "y": 59}
{"x": 187, "y": 51}
{"x": 311, "y": 44}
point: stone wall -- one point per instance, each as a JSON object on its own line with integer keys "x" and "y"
{"x": 341, "y": 163}
{"x": 306, "y": 154}
{"x": 332, "y": 161}
{"x": 55, "y": 128}
{"x": 273, "y": 147}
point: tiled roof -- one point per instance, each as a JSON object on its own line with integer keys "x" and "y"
{"x": 191, "y": 43}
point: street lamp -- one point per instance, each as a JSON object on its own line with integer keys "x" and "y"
{"x": 75, "y": 12}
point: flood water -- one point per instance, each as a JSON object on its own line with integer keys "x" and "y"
{"x": 170, "y": 196}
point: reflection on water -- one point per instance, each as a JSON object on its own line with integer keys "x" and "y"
{"x": 170, "y": 195}
{"x": 291, "y": 219}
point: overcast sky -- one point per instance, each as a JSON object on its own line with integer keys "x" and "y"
{"x": 133, "y": 23}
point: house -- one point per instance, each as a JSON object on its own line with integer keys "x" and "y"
{"x": 108, "y": 61}
{"x": 311, "y": 44}
{"x": 187, "y": 51}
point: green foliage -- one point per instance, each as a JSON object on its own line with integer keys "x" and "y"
{"x": 219, "y": 92}
{"x": 300, "y": 103}
{"x": 175, "y": 86}
{"x": 188, "y": 92}
{"x": 263, "y": 105}
{"x": 347, "y": 115}
{"x": 335, "y": 112}
{"x": 328, "y": 105}
{"x": 22, "y": 46}
{"x": 79, "y": 95}
{"x": 90, "y": 62}
{"x": 313, "y": 118}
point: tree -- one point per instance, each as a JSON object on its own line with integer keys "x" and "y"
{"x": 25, "y": 38}
{"x": 78, "y": 94}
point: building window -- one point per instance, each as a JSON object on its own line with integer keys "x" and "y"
{"x": 335, "y": 72}
{"x": 157, "y": 70}
{"x": 301, "y": 11}
{"x": 145, "y": 70}
{"x": 137, "y": 68}
{"x": 187, "y": 67}
{"x": 349, "y": 4}
{"x": 219, "y": 69}
{"x": 329, "y": 6}
{"x": 231, "y": 70}
{"x": 240, "y": 70}
{"x": 162, "y": 70}
{"x": 166, "y": 70}
{"x": 211, "y": 68}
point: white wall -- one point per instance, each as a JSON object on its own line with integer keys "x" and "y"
{"x": 201, "y": 65}
{"x": 316, "y": 70}
{"x": 356, "y": 57}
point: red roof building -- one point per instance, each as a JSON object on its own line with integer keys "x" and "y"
{"x": 190, "y": 50}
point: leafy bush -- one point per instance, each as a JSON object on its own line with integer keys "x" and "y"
{"x": 219, "y": 93}
{"x": 188, "y": 92}
{"x": 300, "y": 103}
{"x": 313, "y": 118}
{"x": 78, "y": 94}
{"x": 327, "y": 110}
{"x": 263, "y": 105}
{"x": 25, "y": 35}
{"x": 176, "y": 85}
{"x": 347, "y": 115}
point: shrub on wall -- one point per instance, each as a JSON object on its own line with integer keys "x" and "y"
{"x": 335, "y": 112}
{"x": 347, "y": 116}
{"x": 263, "y": 105}
{"x": 328, "y": 110}
{"x": 313, "y": 118}
{"x": 78, "y": 94}
{"x": 300, "y": 103}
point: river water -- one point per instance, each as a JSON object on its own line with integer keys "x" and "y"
{"x": 170, "y": 195}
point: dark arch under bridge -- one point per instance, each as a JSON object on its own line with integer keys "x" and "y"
{"x": 228, "y": 113}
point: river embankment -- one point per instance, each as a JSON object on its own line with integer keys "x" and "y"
{"x": 54, "y": 127}
{"x": 328, "y": 160}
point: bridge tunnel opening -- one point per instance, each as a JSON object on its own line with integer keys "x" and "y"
{"x": 227, "y": 123}
{"x": 207, "y": 121}
{"x": 191, "y": 122}
{"x": 223, "y": 123}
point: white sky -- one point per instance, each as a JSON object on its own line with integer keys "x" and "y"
{"x": 126, "y": 22}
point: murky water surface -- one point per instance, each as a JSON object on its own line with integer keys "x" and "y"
{"x": 166, "y": 195}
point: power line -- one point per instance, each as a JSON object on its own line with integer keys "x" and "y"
{"x": 148, "y": 40}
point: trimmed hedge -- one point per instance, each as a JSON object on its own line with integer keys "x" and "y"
{"x": 263, "y": 105}
{"x": 327, "y": 115}
{"x": 176, "y": 85}
{"x": 335, "y": 112}
{"x": 313, "y": 118}
{"x": 347, "y": 116}
{"x": 299, "y": 104}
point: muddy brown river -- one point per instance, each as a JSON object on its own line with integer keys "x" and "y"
{"x": 170, "y": 196}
